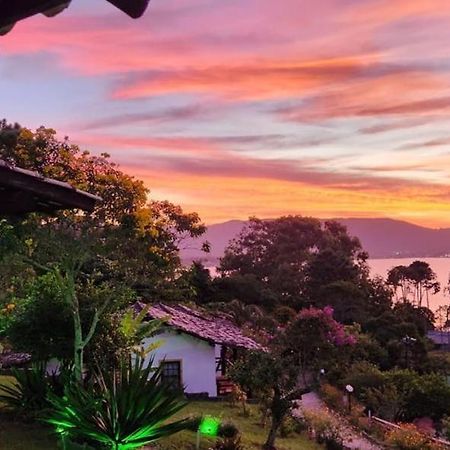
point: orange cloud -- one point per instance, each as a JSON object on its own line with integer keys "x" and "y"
{"x": 265, "y": 197}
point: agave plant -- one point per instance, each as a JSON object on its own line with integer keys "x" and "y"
{"x": 120, "y": 411}
{"x": 29, "y": 391}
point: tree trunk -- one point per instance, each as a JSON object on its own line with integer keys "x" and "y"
{"x": 78, "y": 344}
{"x": 270, "y": 443}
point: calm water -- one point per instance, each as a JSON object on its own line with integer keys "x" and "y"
{"x": 440, "y": 265}
{"x": 382, "y": 266}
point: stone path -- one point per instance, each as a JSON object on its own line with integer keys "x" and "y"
{"x": 351, "y": 437}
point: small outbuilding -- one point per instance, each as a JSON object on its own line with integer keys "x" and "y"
{"x": 196, "y": 348}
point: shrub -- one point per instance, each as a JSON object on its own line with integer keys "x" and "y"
{"x": 230, "y": 443}
{"x": 364, "y": 376}
{"x": 386, "y": 402}
{"x": 332, "y": 396}
{"x": 28, "y": 393}
{"x": 228, "y": 430}
{"x": 325, "y": 429}
{"x": 121, "y": 410}
{"x": 290, "y": 426}
{"x": 407, "y": 437}
{"x": 238, "y": 397}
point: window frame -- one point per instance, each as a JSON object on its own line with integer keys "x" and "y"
{"x": 180, "y": 372}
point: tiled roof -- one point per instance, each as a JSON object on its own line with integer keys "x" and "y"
{"x": 205, "y": 326}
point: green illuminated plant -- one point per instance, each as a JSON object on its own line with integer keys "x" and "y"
{"x": 119, "y": 411}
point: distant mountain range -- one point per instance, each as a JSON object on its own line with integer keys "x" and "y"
{"x": 382, "y": 238}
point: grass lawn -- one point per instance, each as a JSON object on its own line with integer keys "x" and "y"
{"x": 16, "y": 436}
{"x": 253, "y": 435}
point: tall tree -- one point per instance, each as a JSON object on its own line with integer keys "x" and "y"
{"x": 124, "y": 242}
{"x": 295, "y": 258}
{"x": 415, "y": 282}
{"x": 424, "y": 280}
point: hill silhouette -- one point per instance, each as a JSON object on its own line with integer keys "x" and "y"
{"x": 382, "y": 238}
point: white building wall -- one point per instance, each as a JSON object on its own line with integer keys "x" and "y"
{"x": 198, "y": 364}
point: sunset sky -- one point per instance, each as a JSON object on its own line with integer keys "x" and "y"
{"x": 233, "y": 108}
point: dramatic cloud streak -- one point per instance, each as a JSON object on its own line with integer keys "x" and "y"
{"x": 249, "y": 106}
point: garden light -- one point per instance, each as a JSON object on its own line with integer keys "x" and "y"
{"x": 209, "y": 426}
{"x": 350, "y": 389}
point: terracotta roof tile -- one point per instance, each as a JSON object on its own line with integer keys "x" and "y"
{"x": 205, "y": 326}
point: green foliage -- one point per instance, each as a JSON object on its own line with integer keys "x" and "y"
{"x": 42, "y": 152}
{"x": 413, "y": 283}
{"x": 386, "y": 401}
{"x": 315, "y": 340}
{"x": 42, "y": 323}
{"x": 293, "y": 258}
{"x": 429, "y": 396}
{"x": 124, "y": 244}
{"x": 291, "y": 426}
{"x": 16, "y": 436}
{"x": 136, "y": 328}
{"x": 332, "y": 396}
{"x": 28, "y": 393}
{"x": 326, "y": 429}
{"x": 363, "y": 375}
{"x": 407, "y": 437}
{"x": 122, "y": 410}
{"x": 400, "y": 394}
{"x": 273, "y": 377}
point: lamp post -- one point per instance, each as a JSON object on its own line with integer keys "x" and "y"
{"x": 349, "y": 388}
{"x": 321, "y": 375}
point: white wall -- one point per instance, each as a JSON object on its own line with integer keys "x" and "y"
{"x": 198, "y": 364}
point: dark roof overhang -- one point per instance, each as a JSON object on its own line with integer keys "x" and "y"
{"x": 23, "y": 191}
{"x": 12, "y": 11}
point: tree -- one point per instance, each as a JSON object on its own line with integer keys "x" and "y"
{"x": 43, "y": 152}
{"x": 124, "y": 243}
{"x": 314, "y": 339}
{"x": 424, "y": 280}
{"x": 199, "y": 279}
{"x": 62, "y": 267}
{"x": 399, "y": 280}
{"x": 286, "y": 371}
{"x": 293, "y": 258}
{"x": 41, "y": 323}
{"x": 275, "y": 378}
{"x": 417, "y": 279}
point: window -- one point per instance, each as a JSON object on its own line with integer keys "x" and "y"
{"x": 171, "y": 373}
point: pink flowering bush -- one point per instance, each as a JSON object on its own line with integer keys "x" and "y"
{"x": 316, "y": 339}
{"x": 334, "y": 331}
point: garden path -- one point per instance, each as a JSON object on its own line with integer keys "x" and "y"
{"x": 352, "y": 438}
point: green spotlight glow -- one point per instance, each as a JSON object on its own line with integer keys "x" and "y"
{"x": 209, "y": 426}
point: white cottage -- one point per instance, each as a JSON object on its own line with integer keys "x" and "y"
{"x": 195, "y": 348}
